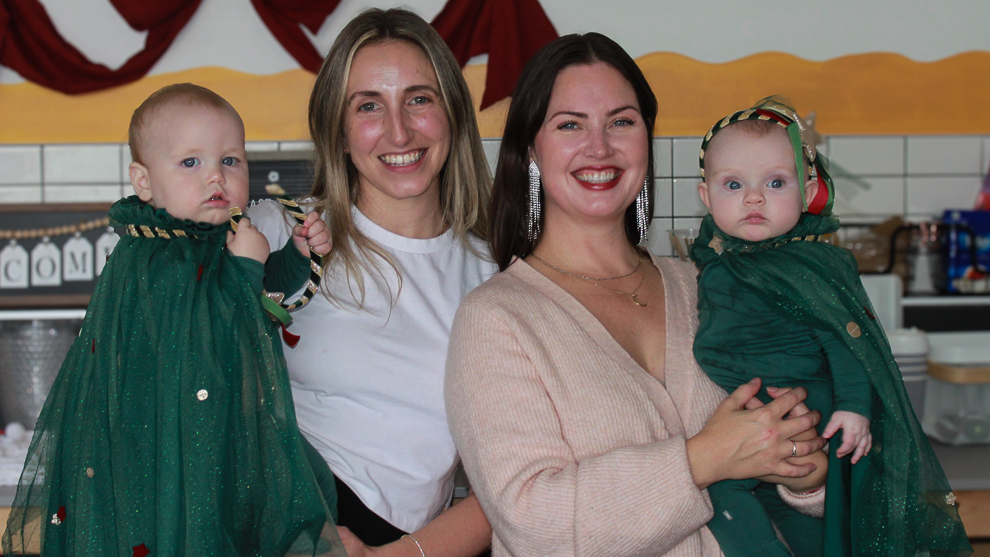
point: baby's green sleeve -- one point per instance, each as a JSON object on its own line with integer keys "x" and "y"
{"x": 254, "y": 272}
{"x": 286, "y": 270}
{"x": 851, "y": 388}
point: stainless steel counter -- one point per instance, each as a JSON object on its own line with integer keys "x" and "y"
{"x": 47, "y": 314}
{"x": 44, "y": 315}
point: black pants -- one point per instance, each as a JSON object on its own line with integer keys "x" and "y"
{"x": 351, "y": 512}
{"x": 370, "y": 528}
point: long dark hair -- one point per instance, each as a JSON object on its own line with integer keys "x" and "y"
{"x": 510, "y": 193}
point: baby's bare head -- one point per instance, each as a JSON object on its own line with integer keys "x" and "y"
{"x": 176, "y": 95}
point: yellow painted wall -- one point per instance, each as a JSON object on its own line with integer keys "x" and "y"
{"x": 272, "y": 106}
{"x": 878, "y": 93}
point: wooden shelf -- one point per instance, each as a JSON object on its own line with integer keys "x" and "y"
{"x": 42, "y": 301}
{"x": 974, "y": 510}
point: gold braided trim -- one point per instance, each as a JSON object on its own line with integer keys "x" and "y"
{"x": 809, "y": 238}
{"x": 813, "y": 238}
{"x": 144, "y": 231}
{"x": 716, "y": 242}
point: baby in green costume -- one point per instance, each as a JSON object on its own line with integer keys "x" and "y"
{"x": 778, "y": 302}
{"x": 170, "y": 429}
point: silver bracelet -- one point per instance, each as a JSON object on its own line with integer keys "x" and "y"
{"x": 415, "y": 541}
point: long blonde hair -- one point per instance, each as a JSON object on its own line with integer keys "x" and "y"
{"x": 465, "y": 181}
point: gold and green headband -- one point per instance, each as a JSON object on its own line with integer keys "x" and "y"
{"x": 806, "y": 154}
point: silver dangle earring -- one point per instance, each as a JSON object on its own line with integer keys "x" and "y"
{"x": 533, "y": 224}
{"x": 642, "y": 205}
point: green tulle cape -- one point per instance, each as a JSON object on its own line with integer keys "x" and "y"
{"x": 170, "y": 428}
{"x": 896, "y": 501}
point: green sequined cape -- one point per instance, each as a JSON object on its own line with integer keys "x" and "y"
{"x": 170, "y": 428}
{"x": 896, "y": 501}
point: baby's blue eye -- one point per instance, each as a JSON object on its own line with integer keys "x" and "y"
{"x": 776, "y": 184}
{"x": 228, "y": 161}
{"x": 733, "y": 185}
{"x": 190, "y": 162}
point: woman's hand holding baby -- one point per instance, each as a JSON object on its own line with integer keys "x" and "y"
{"x": 313, "y": 233}
{"x": 856, "y": 434}
{"x": 819, "y": 458}
{"x": 248, "y": 242}
{"x": 740, "y": 442}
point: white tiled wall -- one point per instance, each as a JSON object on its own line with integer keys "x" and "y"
{"x": 916, "y": 177}
{"x": 21, "y": 164}
{"x": 80, "y": 173}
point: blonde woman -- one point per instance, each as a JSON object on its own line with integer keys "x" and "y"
{"x": 401, "y": 179}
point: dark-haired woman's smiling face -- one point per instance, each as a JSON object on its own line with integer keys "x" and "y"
{"x": 592, "y": 147}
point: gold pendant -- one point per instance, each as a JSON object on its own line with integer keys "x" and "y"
{"x": 637, "y": 302}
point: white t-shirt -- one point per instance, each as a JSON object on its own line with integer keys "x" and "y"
{"x": 368, "y": 383}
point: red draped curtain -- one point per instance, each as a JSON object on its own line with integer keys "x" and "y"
{"x": 510, "y": 31}
{"x": 32, "y": 46}
{"x": 284, "y": 17}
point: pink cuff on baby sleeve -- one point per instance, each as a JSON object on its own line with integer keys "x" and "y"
{"x": 810, "y": 503}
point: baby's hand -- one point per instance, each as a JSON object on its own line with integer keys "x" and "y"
{"x": 248, "y": 242}
{"x": 855, "y": 434}
{"x": 312, "y": 233}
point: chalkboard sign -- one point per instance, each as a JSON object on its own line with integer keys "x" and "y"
{"x": 51, "y": 254}
{"x": 295, "y": 175}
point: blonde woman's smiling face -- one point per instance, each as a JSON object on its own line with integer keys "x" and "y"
{"x": 395, "y": 123}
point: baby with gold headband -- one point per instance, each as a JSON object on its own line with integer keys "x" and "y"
{"x": 779, "y": 302}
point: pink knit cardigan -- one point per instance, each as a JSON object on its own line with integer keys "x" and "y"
{"x": 571, "y": 447}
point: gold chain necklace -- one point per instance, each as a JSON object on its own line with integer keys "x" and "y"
{"x": 575, "y": 275}
{"x": 596, "y": 281}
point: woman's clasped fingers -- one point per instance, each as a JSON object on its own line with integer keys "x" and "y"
{"x": 788, "y": 400}
{"x": 791, "y": 468}
{"x": 793, "y": 448}
{"x": 747, "y": 443}
{"x": 790, "y": 407}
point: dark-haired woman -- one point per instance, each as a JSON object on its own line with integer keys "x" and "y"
{"x": 585, "y": 424}
{"x": 402, "y": 182}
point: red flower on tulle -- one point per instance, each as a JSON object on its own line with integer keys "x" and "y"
{"x": 868, "y": 312}
{"x": 199, "y": 274}
{"x": 60, "y": 514}
{"x": 140, "y": 550}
